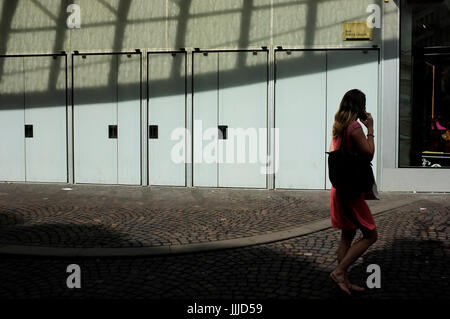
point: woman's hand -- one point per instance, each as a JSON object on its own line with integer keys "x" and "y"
{"x": 368, "y": 122}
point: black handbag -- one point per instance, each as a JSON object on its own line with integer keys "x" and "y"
{"x": 351, "y": 174}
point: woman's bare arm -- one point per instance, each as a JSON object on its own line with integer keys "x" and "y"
{"x": 364, "y": 144}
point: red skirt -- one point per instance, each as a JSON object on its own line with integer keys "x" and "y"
{"x": 350, "y": 214}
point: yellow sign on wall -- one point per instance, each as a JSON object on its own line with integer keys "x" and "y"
{"x": 356, "y": 30}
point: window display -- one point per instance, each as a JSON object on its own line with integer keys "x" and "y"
{"x": 424, "y": 139}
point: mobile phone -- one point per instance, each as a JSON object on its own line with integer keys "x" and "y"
{"x": 363, "y": 116}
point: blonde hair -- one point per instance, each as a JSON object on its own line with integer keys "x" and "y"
{"x": 352, "y": 105}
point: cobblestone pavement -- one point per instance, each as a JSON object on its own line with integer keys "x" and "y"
{"x": 120, "y": 216}
{"x": 412, "y": 251}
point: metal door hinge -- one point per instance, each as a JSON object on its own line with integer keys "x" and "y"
{"x": 223, "y": 132}
{"x": 29, "y": 131}
{"x": 112, "y": 131}
{"x": 153, "y": 131}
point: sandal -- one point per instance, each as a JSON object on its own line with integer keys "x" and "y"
{"x": 339, "y": 283}
{"x": 355, "y": 287}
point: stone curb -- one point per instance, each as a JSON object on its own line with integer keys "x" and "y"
{"x": 308, "y": 228}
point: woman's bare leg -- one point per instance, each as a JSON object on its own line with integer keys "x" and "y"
{"x": 354, "y": 252}
{"x": 347, "y": 237}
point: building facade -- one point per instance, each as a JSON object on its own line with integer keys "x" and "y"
{"x": 215, "y": 93}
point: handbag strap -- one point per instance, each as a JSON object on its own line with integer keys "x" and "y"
{"x": 344, "y": 139}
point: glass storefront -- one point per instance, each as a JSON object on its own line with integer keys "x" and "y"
{"x": 424, "y": 127}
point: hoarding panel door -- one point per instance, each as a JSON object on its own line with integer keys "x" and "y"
{"x": 129, "y": 119}
{"x": 346, "y": 70}
{"x": 45, "y": 110}
{"x": 205, "y": 114}
{"x": 12, "y": 129}
{"x": 167, "y": 114}
{"x": 300, "y": 109}
{"x": 95, "y": 114}
{"x": 243, "y": 110}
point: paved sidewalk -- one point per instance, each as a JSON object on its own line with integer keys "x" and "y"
{"x": 413, "y": 252}
{"x": 45, "y": 219}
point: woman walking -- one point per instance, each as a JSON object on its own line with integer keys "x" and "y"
{"x": 348, "y": 215}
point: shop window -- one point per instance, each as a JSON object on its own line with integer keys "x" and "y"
{"x": 424, "y": 139}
